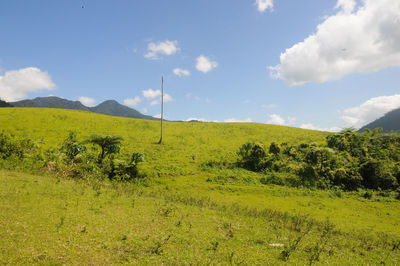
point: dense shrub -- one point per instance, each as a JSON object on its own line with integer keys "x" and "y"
{"x": 349, "y": 160}
{"x": 252, "y": 156}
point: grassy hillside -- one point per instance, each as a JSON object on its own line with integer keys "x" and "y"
{"x": 207, "y": 141}
{"x": 185, "y": 213}
{"x": 46, "y": 221}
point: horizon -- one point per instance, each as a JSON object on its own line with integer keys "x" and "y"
{"x": 315, "y": 65}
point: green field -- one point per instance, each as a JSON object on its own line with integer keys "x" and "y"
{"x": 183, "y": 213}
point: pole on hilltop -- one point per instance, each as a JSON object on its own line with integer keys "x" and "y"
{"x": 162, "y": 107}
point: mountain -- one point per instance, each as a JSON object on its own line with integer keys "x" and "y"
{"x": 113, "y": 108}
{"x": 109, "y": 107}
{"x": 51, "y": 102}
{"x": 5, "y": 104}
{"x": 389, "y": 122}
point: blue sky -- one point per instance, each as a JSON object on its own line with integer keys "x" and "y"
{"x": 312, "y": 64}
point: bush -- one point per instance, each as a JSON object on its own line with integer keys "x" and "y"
{"x": 252, "y": 156}
{"x": 10, "y": 146}
{"x": 71, "y": 147}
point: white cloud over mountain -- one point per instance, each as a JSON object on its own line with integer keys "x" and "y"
{"x": 132, "y": 101}
{"x": 362, "y": 36}
{"x": 370, "y": 110}
{"x": 16, "y": 84}
{"x": 87, "y": 101}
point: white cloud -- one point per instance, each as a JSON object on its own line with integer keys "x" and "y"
{"x": 234, "y": 120}
{"x": 346, "y": 6}
{"x": 196, "y": 119}
{"x": 89, "y": 102}
{"x": 361, "y": 38}
{"x": 181, "y": 72}
{"x": 268, "y": 106}
{"x": 155, "y": 102}
{"x": 167, "y": 98}
{"x": 150, "y": 94}
{"x": 276, "y": 120}
{"x": 312, "y": 127}
{"x": 188, "y": 95}
{"x": 370, "y": 110}
{"x": 144, "y": 110}
{"x": 157, "y": 116}
{"x": 204, "y": 64}
{"x": 132, "y": 101}
{"x": 16, "y": 84}
{"x": 263, "y": 5}
{"x": 155, "y": 50}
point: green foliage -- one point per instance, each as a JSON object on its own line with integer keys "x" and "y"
{"x": 126, "y": 171}
{"x": 12, "y": 146}
{"x": 108, "y": 144}
{"x": 349, "y": 160}
{"x": 71, "y": 147}
{"x": 252, "y": 156}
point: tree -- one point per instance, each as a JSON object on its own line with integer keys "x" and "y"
{"x": 108, "y": 144}
{"x": 252, "y": 156}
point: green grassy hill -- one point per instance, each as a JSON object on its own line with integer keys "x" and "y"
{"x": 184, "y": 213}
{"x": 207, "y": 141}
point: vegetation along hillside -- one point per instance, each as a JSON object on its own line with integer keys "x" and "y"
{"x": 388, "y": 122}
{"x": 101, "y": 191}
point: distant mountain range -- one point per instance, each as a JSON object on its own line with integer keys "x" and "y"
{"x": 109, "y": 107}
{"x": 389, "y": 122}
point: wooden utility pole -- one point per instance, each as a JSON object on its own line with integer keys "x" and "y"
{"x": 162, "y": 107}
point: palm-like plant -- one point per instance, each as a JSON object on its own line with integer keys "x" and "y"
{"x": 108, "y": 144}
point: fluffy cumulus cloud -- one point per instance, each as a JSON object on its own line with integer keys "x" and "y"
{"x": 234, "y": 120}
{"x": 156, "y": 50}
{"x": 204, "y": 64}
{"x": 312, "y": 127}
{"x": 362, "y": 36}
{"x": 370, "y": 110}
{"x": 87, "y": 101}
{"x": 150, "y": 94}
{"x": 263, "y": 5}
{"x": 16, "y": 84}
{"x": 132, "y": 101}
{"x": 181, "y": 72}
{"x": 157, "y": 116}
{"x": 144, "y": 110}
{"x": 276, "y": 120}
